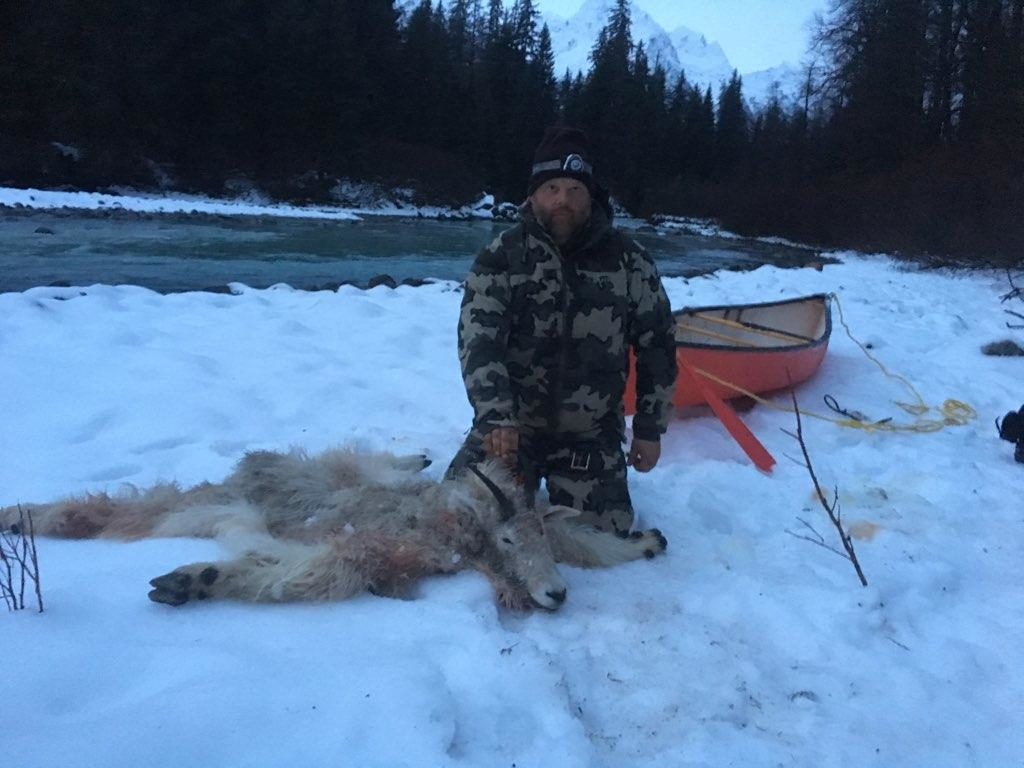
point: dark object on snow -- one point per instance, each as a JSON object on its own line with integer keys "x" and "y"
{"x": 387, "y": 280}
{"x": 1005, "y": 348}
{"x": 1011, "y": 429}
{"x": 505, "y": 212}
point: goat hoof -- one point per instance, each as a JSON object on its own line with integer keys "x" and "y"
{"x": 660, "y": 543}
{"x": 558, "y": 597}
{"x": 176, "y": 581}
{"x": 168, "y": 598}
{"x": 171, "y": 588}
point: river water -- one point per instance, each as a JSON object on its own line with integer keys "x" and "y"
{"x": 170, "y": 253}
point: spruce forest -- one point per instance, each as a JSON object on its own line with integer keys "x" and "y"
{"x": 908, "y": 134}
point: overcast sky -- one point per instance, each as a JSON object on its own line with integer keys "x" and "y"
{"x": 755, "y": 34}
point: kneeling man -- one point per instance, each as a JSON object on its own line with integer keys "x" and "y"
{"x": 550, "y": 312}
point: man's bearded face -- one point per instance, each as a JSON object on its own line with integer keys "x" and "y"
{"x": 562, "y": 206}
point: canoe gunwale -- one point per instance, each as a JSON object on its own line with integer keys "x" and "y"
{"x": 822, "y": 298}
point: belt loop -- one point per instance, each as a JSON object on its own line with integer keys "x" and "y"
{"x": 580, "y": 461}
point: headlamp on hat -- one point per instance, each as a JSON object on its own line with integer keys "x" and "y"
{"x": 563, "y": 153}
{"x": 573, "y": 164}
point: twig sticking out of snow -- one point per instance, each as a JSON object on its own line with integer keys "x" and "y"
{"x": 831, "y": 508}
{"x": 19, "y": 563}
{"x": 1014, "y": 293}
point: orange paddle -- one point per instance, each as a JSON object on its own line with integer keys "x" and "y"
{"x": 739, "y": 431}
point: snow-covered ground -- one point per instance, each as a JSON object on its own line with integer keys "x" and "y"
{"x": 252, "y": 204}
{"x": 712, "y": 229}
{"x": 742, "y": 646}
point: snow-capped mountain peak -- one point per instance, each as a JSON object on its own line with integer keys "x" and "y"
{"x": 703, "y": 62}
{"x": 683, "y": 50}
{"x": 573, "y": 39}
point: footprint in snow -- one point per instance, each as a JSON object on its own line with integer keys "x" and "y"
{"x": 117, "y": 472}
{"x": 229, "y": 448}
{"x": 93, "y": 427}
{"x": 162, "y": 445}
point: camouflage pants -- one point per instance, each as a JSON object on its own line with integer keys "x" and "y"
{"x": 588, "y": 474}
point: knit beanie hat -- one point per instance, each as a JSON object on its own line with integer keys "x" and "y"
{"x": 562, "y": 153}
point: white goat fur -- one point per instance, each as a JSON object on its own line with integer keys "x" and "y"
{"x": 331, "y": 526}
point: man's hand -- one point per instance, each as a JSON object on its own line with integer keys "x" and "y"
{"x": 502, "y": 443}
{"x": 643, "y": 454}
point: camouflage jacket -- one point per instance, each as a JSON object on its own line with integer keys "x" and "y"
{"x": 544, "y": 337}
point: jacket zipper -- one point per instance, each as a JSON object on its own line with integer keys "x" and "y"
{"x": 563, "y": 353}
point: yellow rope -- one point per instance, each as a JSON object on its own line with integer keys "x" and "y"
{"x": 916, "y": 409}
{"x": 954, "y": 413}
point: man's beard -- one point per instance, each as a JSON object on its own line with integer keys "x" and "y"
{"x": 563, "y": 223}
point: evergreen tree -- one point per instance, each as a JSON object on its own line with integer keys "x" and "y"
{"x": 605, "y": 104}
{"x": 543, "y": 84}
{"x": 731, "y": 127}
{"x": 704, "y": 132}
{"x": 944, "y": 32}
{"x": 876, "y": 48}
{"x": 424, "y": 70}
{"x": 993, "y": 75}
{"x": 461, "y": 37}
{"x": 675, "y": 150}
{"x": 769, "y": 155}
{"x": 523, "y": 27}
{"x": 495, "y": 20}
{"x": 569, "y": 89}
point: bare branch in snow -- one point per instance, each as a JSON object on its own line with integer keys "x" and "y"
{"x": 19, "y": 563}
{"x": 1015, "y": 292}
{"x": 831, "y": 507}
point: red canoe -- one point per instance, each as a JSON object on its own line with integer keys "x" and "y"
{"x": 756, "y": 347}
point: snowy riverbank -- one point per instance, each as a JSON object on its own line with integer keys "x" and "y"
{"x": 252, "y": 204}
{"x": 372, "y": 203}
{"x": 742, "y": 646}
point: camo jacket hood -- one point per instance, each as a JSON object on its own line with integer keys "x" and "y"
{"x": 544, "y": 333}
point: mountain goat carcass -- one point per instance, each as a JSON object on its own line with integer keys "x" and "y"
{"x": 331, "y": 526}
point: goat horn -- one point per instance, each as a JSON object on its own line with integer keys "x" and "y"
{"x": 529, "y": 477}
{"x": 508, "y": 510}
